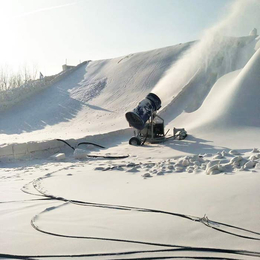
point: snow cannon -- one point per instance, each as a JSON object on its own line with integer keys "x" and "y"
{"x": 149, "y": 125}
{"x": 143, "y": 112}
{"x": 144, "y": 118}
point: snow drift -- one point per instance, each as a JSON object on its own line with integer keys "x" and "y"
{"x": 192, "y": 198}
{"x": 239, "y": 106}
{"x": 94, "y": 98}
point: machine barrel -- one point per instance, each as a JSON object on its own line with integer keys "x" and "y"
{"x": 141, "y": 114}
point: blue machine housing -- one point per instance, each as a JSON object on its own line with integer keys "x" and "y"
{"x": 141, "y": 114}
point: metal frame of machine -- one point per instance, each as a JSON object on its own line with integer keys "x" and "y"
{"x": 150, "y": 126}
{"x": 153, "y": 132}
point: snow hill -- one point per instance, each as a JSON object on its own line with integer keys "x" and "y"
{"x": 93, "y": 99}
{"x": 239, "y": 107}
{"x": 201, "y": 94}
{"x": 196, "y": 198}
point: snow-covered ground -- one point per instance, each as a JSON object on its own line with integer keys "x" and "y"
{"x": 196, "y": 198}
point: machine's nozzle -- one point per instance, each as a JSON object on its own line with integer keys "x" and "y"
{"x": 139, "y": 116}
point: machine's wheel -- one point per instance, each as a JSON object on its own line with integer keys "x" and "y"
{"x": 135, "y": 141}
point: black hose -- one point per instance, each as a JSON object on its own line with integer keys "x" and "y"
{"x": 116, "y": 254}
{"x": 100, "y": 146}
{"x": 148, "y": 210}
{"x": 93, "y": 155}
{"x": 170, "y": 248}
{"x": 108, "y": 156}
{"x": 66, "y": 143}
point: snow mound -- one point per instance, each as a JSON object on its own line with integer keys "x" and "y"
{"x": 233, "y": 102}
{"x": 91, "y": 100}
{"x": 243, "y": 107}
{"x": 94, "y": 98}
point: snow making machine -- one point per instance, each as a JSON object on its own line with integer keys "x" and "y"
{"x": 149, "y": 125}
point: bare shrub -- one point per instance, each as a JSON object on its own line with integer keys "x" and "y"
{"x": 10, "y": 79}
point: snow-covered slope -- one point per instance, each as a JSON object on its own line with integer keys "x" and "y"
{"x": 233, "y": 101}
{"x": 91, "y": 100}
{"x": 194, "y": 198}
{"x": 231, "y": 110}
{"x": 94, "y": 99}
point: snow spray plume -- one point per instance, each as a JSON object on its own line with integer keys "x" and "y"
{"x": 242, "y": 17}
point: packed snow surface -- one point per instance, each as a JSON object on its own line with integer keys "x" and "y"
{"x": 90, "y": 195}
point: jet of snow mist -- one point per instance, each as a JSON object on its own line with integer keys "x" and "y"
{"x": 203, "y": 53}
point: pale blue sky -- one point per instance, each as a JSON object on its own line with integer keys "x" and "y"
{"x": 47, "y": 32}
